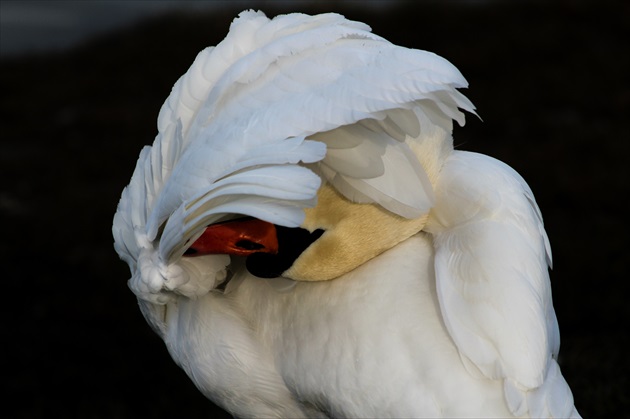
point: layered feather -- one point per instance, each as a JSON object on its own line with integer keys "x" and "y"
{"x": 246, "y": 131}
{"x": 491, "y": 264}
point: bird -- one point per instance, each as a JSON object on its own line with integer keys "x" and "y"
{"x": 307, "y": 242}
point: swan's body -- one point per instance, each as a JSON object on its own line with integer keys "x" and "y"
{"x": 423, "y": 287}
{"x": 362, "y": 355}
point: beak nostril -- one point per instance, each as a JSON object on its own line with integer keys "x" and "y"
{"x": 240, "y": 237}
{"x": 249, "y": 245}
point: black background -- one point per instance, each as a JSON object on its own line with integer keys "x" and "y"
{"x": 550, "y": 82}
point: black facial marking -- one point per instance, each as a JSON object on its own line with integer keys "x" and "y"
{"x": 291, "y": 243}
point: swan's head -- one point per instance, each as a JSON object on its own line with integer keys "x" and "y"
{"x": 336, "y": 236}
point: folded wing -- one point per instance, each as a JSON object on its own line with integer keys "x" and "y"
{"x": 492, "y": 258}
{"x": 260, "y": 119}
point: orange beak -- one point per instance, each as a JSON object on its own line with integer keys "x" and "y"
{"x": 241, "y": 237}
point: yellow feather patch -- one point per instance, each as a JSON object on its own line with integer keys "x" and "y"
{"x": 355, "y": 233}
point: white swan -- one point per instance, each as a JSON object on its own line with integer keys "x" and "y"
{"x": 406, "y": 279}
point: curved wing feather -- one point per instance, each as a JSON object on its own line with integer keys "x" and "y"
{"x": 491, "y": 262}
{"x": 289, "y": 100}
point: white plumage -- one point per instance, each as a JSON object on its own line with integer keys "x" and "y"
{"x": 438, "y": 300}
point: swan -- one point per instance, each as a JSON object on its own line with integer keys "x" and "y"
{"x": 306, "y": 241}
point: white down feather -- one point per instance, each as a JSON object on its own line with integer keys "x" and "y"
{"x": 493, "y": 285}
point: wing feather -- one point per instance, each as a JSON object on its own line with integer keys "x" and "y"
{"x": 492, "y": 276}
{"x": 258, "y": 100}
{"x": 301, "y": 83}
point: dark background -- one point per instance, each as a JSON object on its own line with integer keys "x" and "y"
{"x": 549, "y": 80}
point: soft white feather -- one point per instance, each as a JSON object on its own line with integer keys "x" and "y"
{"x": 366, "y": 160}
{"x": 305, "y": 88}
{"x": 491, "y": 272}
